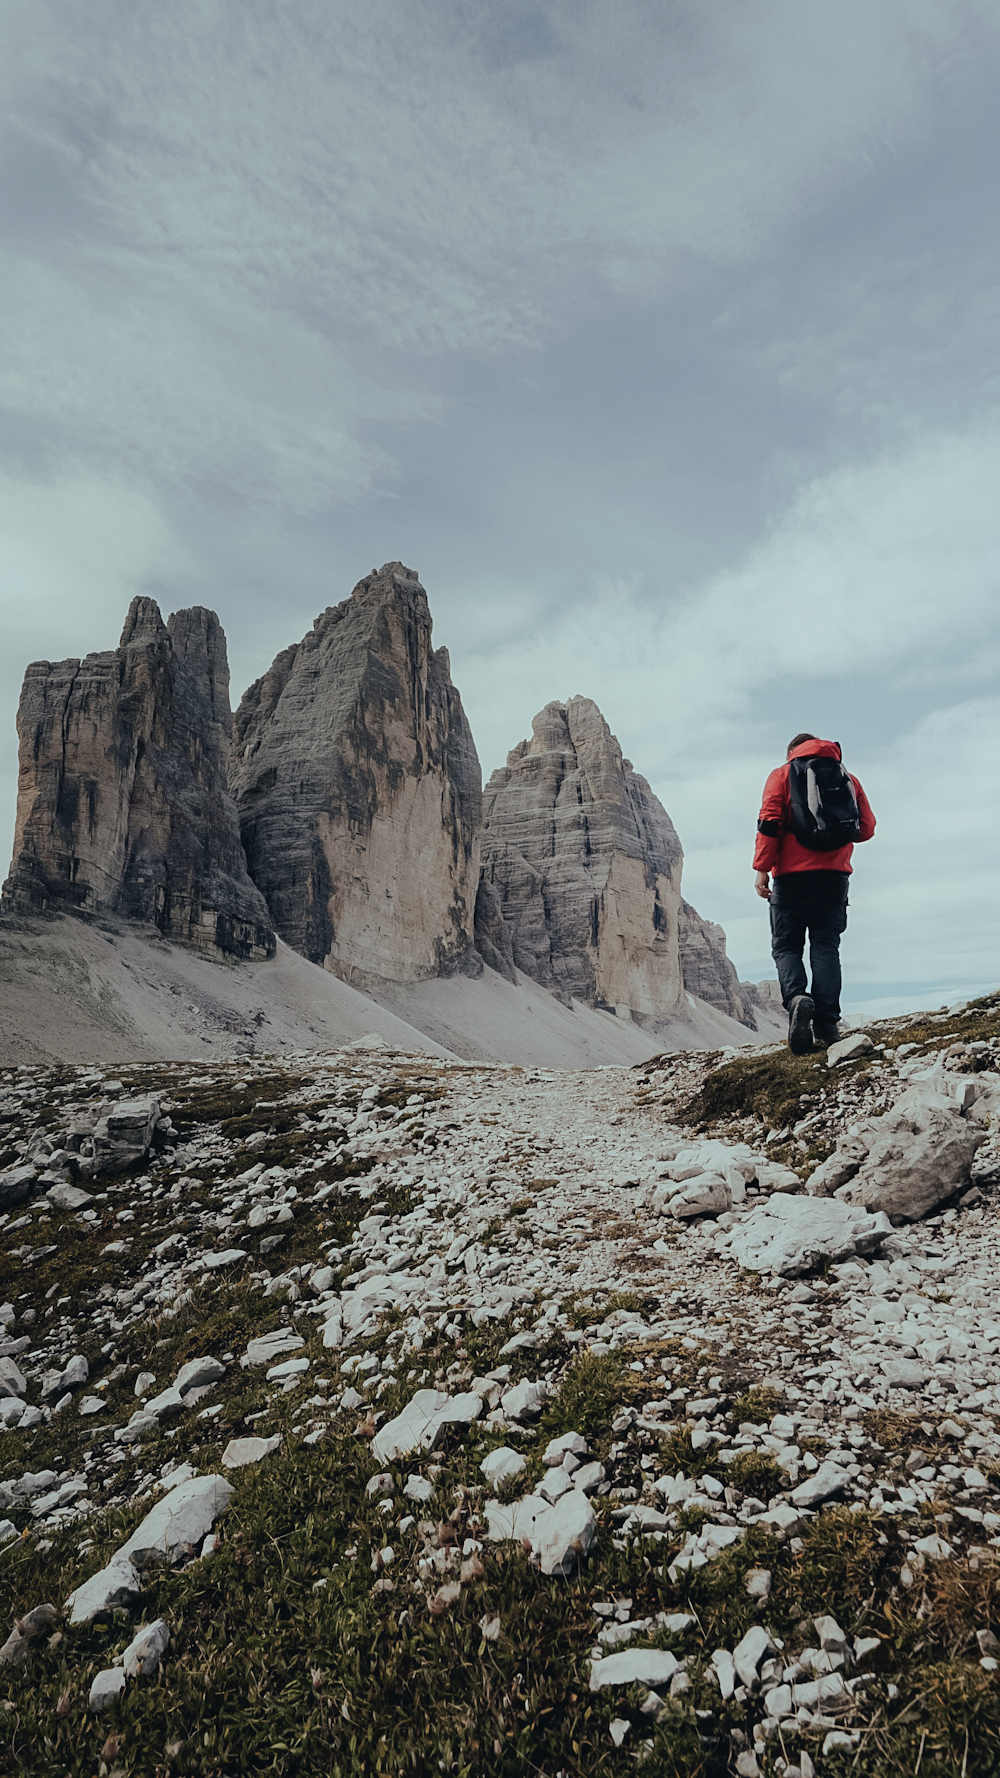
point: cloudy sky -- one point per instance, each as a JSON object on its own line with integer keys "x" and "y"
{"x": 659, "y": 336}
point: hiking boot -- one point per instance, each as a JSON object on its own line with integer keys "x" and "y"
{"x": 826, "y": 1034}
{"x": 800, "y": 1024}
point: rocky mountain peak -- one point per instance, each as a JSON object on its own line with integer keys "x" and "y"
{"x": 359, "y": 791}
{"x": 585, "y": 864}
{"x": 123, "y": 802}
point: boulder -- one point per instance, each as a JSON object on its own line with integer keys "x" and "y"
{"x": 919, "y": 1154}
{"x": 787, "y": 1235}
{"x": 122, "y": 1137}
{"x": 360, "y": 793}
{"x": 707, "y": 1194}
{"x": 123, "y": 803}
{"x": 68, "y": 1197}
{"x": 827, "y": 1480}
{"x": 15, "y": 1185}
{"x": 12, "y": 1382}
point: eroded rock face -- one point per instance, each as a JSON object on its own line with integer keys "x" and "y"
{"x": 359, "y": 791}
{"x": 707, "y": 970}
{"x": 123, "y": 801}
{"x": 586, "y": 866}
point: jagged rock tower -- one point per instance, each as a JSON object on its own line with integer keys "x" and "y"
{"x": 123, "y": 803}
{"x": 359, "y": 791}
{"x": 586, "y": 867}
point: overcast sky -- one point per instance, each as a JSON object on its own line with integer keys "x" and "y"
{"x": 659, "y": 336}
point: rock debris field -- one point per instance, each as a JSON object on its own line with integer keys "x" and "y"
{"x": 361, "y": 1413}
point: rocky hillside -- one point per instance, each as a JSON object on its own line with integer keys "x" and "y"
{"x": 368, "y": 1413}
{"x": 123, "y": 804}
{"x": 359, "y": 791}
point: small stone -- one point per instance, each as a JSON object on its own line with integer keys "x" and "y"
{"x": 241, "y": 1451}
{"x": 144, "y": 1382}
{"x": 525, "y": 1401}
{"x": 554, "y": 1484}
{"x": 589, "y": 1477}
{"x": 725, "y": 1671}
{"x": 418, "y": 1487}
{"x": 269, "y": 1347}
{"x": 290, "y": 1367}
{"x": 92, "y": 1404}
{"x": 749, "y": 1652}
{"x": 565, "y": 1534}
{"x": 502, "y": 1465}
{"x": 903, "y": 1373}
{"x": 618, "y": 1728}
{"x": 633, "y": 1666}
{"x": 106, "y": 1688}
{"x": 490, "y": 1627}
{"x": 403, "y": 1434}
{"x": 857, "y": 1044}
{"x": 831, "y": 1636}
{"x": 557, "y": 1448}
{"x": 934, "y": 1548}
{"x": 197, "y": 1372}
{"x": 380, "y": 1484}
{"x": 828, "y": 1479}
{"x": 758, "y": 1583}
{"x": 142, "y": 1656}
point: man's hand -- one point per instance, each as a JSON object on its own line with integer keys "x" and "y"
{"x": 762, "y": 884}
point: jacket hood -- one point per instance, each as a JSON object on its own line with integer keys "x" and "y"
{"x": 817, "y": 750}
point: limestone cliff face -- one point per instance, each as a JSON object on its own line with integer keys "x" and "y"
{"x": 586, "y": 866}
{"x": 707, "y": 970}
{"x": 123, "y": 801}
{"x": 360, "y": 794}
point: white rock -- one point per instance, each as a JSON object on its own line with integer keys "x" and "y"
{"x": 333, "y": 1330}
{"x": 787, "y": 1235}
{"x": 458, "y": 1411}
{"x": 68, "y": 1197}
{"x": 143, "y": 1383}
{"x": 920, "y": 1153}
{"x": 524, "y": 1401}
{"x": 554, "y": 1484}
{"x": 725, "y": 1672}
{"x": 113, "y": 1586}
{"x": 589, "y": 1476}
{"x": 903, "y": 1373}
{"x": 707, "y": 1194}
{"x": 106, "y": 1687}
{"x": 184, "y": 1516}
{"x": 196, "y": 1372}
{"x": 321, "y": 1279}
{"x": 501, "y": 1465}
{"x": 827, "y": 1480}
{"x": 557, "y": 1448}
{"x": 241, "y": 1451}
{"x": 92, "y": 1404}
{"x": 565, "y": 1534}
{"x": 418, "y": 1487}
{"x": 633, "y": 1666}
{"x": 516, "y": 1520}
{"x": 758, "y": 1583}
{"x": 857, "y": 1044}
{"x": 213, "y": 1262}
{"x": 934, "y": 1547}
{"x": 11, "y": 1380}
{"x": 398, "y": 1437}
{"x": 271, "y": 1346}
{"x": 831, "y": 1637}
{"x": 142, "y": 1656}
{"x": 749, "y": 1652}
{"x": 289, "y": 1367}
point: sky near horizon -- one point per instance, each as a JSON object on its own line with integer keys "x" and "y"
{"x": 659, "y": 336}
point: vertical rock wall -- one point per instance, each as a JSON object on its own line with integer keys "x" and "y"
{"x": 123, "y": 801}
{"x": 359, "y": 791}
{"x": 707, "y": 970}
{"x": 586, "y": 866}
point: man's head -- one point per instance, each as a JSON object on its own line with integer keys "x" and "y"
{"x": 797, "y": 742}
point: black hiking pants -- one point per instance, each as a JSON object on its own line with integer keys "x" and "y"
{"x": 812, "y": 902}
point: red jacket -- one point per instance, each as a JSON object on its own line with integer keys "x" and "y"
{"x": 777, "y": 849}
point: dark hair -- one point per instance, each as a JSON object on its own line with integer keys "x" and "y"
{"x": 797, "y": 742}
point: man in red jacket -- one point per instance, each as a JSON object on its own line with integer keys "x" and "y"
{"x": 808, "y": 895}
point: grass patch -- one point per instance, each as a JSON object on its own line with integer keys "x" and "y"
{"x": 759, "y": 1405}
{"x": 753, "y": 1472}
{"x": 766, "y": 1087}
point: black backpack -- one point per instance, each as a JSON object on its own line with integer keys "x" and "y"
{"x": 824, "y": 804}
